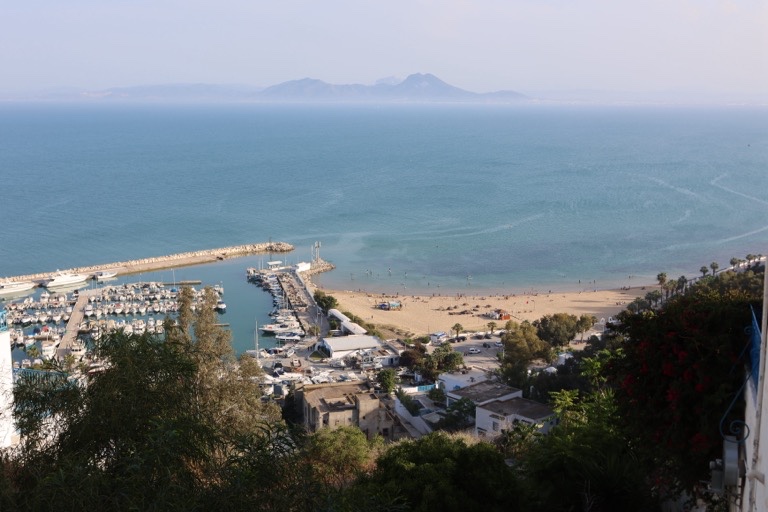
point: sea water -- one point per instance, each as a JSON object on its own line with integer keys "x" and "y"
{"x": 402, "y": 198}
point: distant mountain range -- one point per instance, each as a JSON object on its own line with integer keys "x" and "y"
{"x": 415, "y": 88}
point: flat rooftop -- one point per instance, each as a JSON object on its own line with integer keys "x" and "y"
{"x": 328, "y": 397}
{"x": 483, "y": 391}
{"x": 519, "y": 407}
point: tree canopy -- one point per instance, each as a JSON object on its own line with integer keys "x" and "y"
{"x": 324, "y": 301}
{"x": 150, "y": 429}
{"x": 440, "y": 472}
{"x": 521, "y": 346}
{"x": 558, "y": 329}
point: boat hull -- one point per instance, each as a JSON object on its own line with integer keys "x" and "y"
{"x": 63, "y": 280}
{"x": 15, "y": 288}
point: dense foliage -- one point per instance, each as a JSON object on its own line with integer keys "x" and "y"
{"x": 521, "y": 346}
{"x": 586, "y": 463}
{"x": 324, "y": 301}
{"x": 132, "y": 438}
{"x": 178, "y": 424}
{"x": 679, "y": 367}
{"x": 560, "y": 328}
{"x": 442, "y": 359}
{"x": 439, "y": 472}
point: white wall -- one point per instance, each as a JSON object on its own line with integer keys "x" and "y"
{"x": 484, "y": 421}
{"x": 7, "y": 427}
{"x": 418, "y": 423}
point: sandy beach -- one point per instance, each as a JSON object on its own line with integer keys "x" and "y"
{"x": 424, "y": 314}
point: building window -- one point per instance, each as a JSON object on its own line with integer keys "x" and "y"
{"x": 495, "y": 426}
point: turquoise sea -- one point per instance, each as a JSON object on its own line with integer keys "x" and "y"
{"x": 406, "y": 198}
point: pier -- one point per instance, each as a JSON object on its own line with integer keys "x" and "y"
{"x": 295, "y": 290}
{"x": 170, "y": 261}
{"x": 70, "y": 335}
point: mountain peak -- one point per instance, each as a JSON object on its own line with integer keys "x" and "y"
{"x": 426, "y": 84}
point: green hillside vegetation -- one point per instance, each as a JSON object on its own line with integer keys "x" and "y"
{"x": 178, "y": 423}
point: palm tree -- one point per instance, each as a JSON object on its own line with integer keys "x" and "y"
{"x": 681, "y": 283}
{"x": 703, "y": 270}
{"x": 735, "y": 262}
{"x": 750, "y": 258}
{"x": 662, "y": 279}
{"x": 653, "y": 297}
{"x": 491, "y": 326}
{"x": 714, "y": 266}
{"x": 669, "y": 288}
{"x": 458, "y": 328}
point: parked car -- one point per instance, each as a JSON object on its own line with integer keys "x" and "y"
{"x": 486, "y": 344}
{"x": 499, "y": 344}
{"x": 473, "y": 350}
{"x": 461, "y": 338}
{"x": 478, "y": 336}
{"x": 487, "y": 336}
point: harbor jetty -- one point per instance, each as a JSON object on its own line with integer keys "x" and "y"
{"x": 70, "y": 335}
{"x": 293, "y": 295}
{"x": 170, "y": 261}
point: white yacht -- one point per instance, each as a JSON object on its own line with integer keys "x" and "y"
{"x": 48, "y": 348}
{"x": 77, "y": 349}
{"x": 288, "y": 336}
{"x": 10, "y": 287}
{"x": 105, "y": 275}
{"x": 66, "y": 279}
{"x": 282, "y": 327}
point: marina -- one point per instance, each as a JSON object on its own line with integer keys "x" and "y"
{"x": 59, "y": 321}
{"x": 67, "y": 323}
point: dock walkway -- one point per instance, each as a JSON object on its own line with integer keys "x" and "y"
{"x": 73, "y": 325}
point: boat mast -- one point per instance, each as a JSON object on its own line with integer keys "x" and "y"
{"x": 256, "y": 338}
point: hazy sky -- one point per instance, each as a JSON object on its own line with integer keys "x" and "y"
{"x": 480, "y": 45}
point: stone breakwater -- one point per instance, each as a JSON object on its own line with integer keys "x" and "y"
{"x": 170, "y": 261}
{"x": 319, "y": 266}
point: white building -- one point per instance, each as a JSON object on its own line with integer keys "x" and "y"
{"x": 460, "y": 379}
{"x": 303, "y": 266}
{"x": 347, "y": 325}
{"x": 482, "y": 393}
{"x": 339, "y": 347}
{"x": 497, "y": 415}
{"x": 744, "y": 466}
{"x": 7, "y": 428}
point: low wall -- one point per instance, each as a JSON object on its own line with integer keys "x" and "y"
{"x": 169, "y": 261}
{"x": 418, "y": 423}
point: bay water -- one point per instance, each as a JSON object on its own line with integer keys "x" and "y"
{"x": 402, "y": 198}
